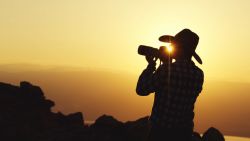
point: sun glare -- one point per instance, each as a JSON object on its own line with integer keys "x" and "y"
{"x": 169, "y": 47}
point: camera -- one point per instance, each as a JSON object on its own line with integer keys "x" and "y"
{"x": 161, "y": 53}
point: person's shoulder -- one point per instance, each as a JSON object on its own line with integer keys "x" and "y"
{"x": 199, "y": 71}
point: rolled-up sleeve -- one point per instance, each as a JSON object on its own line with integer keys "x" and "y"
{"x": 147, "y": 82}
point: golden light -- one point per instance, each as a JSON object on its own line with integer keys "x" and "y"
{"x": 169, "y": 47}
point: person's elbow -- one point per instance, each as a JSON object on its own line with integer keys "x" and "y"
{"x": 141, "y": 92}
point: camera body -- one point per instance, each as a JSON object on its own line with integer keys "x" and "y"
{"x": 161, "y": 53}
{"x": 148, "y": 51}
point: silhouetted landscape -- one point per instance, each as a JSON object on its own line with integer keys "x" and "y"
{"x": 26, "y": 115}
{"x": 92, "y": 92}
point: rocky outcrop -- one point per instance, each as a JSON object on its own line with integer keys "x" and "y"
{"x": 25, "y": 114}
{"x": 213, "y": 134}
{"x": 138, "y": 130}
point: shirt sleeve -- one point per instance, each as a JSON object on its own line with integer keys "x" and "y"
{"x": 201, "y": 80}
{"x": 148, "y": 81}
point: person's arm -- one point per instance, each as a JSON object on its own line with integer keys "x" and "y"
{"x": 145, "y": 84}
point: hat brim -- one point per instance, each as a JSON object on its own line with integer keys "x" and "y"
{"x": 197, "y": 57}
{"x": 166, "y": 38}
{"x": 169, "y": 39}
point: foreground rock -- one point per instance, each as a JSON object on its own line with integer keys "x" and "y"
{"x": 212, "y": 134}
{"x": 25, "y": 114}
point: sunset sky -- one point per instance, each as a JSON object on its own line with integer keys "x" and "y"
{"x": 106, "y": 34}
{"x": 103, "y": 35}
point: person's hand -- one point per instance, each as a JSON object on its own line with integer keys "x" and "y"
{"x": 151, "y": 60}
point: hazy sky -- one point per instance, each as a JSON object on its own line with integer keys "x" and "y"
{"x": 106, "y": 34}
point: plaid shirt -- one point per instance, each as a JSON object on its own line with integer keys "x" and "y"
{"x": 176, "y": 88}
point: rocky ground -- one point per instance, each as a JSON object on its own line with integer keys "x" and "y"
{"x": 25, "y": 114}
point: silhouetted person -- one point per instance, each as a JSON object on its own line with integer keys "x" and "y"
{"x": 176, "y": 86}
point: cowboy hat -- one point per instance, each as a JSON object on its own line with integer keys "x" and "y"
{"x": 187, "y": 38}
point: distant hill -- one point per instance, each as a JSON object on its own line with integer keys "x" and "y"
{"x": 223, "y": 105}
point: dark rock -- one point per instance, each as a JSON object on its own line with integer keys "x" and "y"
{"x": 138, "y": 130}
{"x": 25, "y": 114}
{"x": 106, "y": 120}
{"x": 107, "y": 128}
{"x": 196, "y": 137}
{"x": 213, "y": 134}
{"x": 74, "y": 119}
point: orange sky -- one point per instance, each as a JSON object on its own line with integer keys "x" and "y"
{"x": 106, "y": 34}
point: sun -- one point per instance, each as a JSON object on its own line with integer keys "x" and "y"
{"x": 169, "y": 47}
